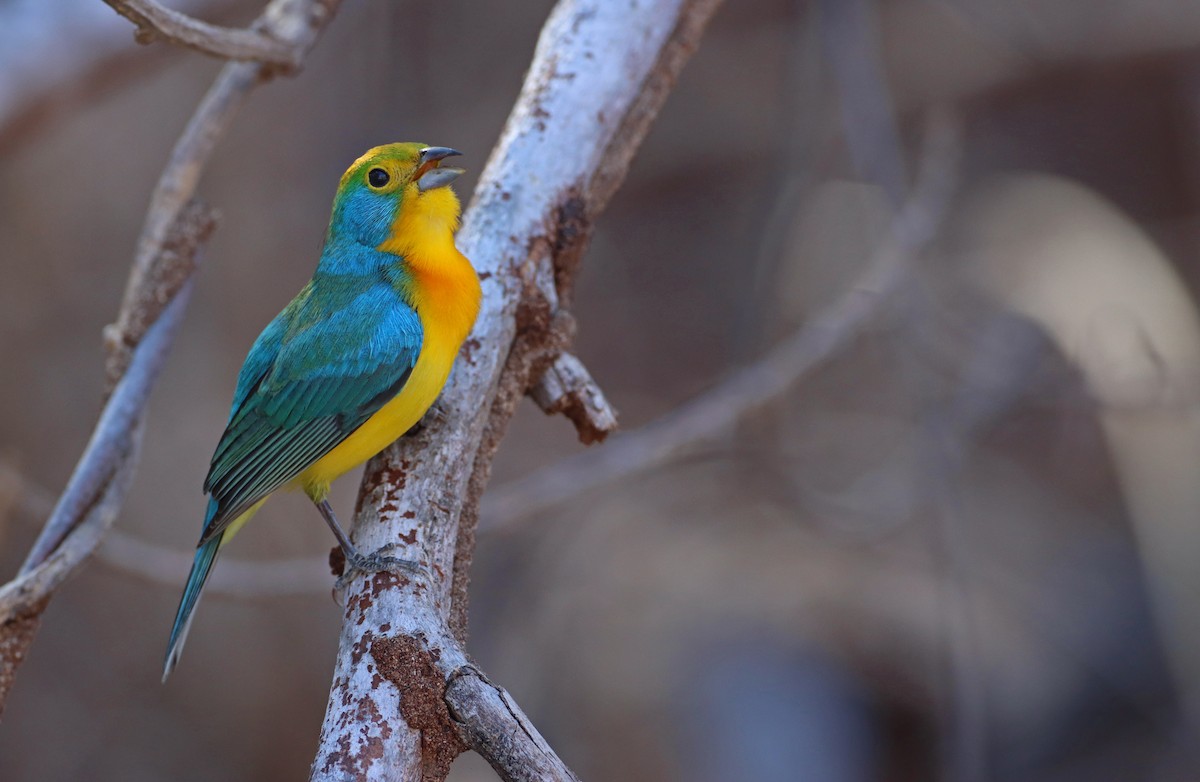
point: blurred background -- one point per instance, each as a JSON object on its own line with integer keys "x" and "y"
{"x": 963, "y": 548}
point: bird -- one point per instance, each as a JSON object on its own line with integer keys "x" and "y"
{"x": 352, "y": 362}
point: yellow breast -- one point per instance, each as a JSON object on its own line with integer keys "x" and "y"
{"x": 445, "y": 293}
{"x": 394, "y": 418}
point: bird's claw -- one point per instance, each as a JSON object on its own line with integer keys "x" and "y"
{"x": 377, "y": 563}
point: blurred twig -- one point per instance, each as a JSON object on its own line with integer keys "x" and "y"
{"x": 167, "y": 566}
{"x": 57, "y": 57}
{"x": 714, "y": 414}
{"x": 848, "y": 30}
{"x": 153, "y": 21}
{"x": 703, "y": 419}
{"x": 176, "y": 228}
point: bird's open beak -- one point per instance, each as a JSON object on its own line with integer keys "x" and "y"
{"x": 430, "y": 174}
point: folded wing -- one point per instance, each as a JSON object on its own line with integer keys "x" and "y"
{"x": 325, "y": 365}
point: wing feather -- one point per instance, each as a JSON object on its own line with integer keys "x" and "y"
{"x": 332, "y": 358}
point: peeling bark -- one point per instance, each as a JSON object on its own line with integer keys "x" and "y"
{"x": 599, "y": 76}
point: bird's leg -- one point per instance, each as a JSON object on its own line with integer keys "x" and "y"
{"x": 355, "y": 560}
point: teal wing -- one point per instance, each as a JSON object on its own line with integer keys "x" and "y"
{"x": 260, "y": 359}
{"x": 317, "y": 373}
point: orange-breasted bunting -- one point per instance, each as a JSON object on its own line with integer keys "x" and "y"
{"x": 354, "y": 361}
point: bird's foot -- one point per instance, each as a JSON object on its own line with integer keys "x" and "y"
{"x": 357, "y": 562}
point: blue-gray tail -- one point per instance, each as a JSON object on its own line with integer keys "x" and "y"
{"x": 206, "y": 555}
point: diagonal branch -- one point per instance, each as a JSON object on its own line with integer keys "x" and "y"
{"x": 175, "y": 230}
{"x": 154, "y": 21}
{"x": 599, "y": 76}
{"x": 702, "y": 419}
{"x": 714, "y": 413}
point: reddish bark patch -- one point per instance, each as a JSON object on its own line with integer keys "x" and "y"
{"x": 361, "y": 647}
{"x": 16, "y": 636}
{"x": 357, "y": 605}
{"x": 576, "y": 410}
{"x": 570, "y": 240}
{"x": 380, "y": 474}
{"x": 359, "y": 600}
{"x": 468, "y": 349}
{"x": 385, "y": 580}
{"x": 406, "y": 663}
{"x": 354, "y": 758}
{"x": 533, "y": 313}
{"x": 337, "y": 561}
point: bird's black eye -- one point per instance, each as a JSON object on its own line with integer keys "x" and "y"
{"x": 377, "y": 177}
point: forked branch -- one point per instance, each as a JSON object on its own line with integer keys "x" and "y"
{"x": 175, "y": 230}
{"x": 599, "y": 76}
{"x": 153, "y": 22}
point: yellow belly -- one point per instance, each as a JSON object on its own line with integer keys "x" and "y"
{"x": 393, "y": 419}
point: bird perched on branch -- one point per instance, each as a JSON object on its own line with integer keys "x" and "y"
{"x": 353, "y": 362}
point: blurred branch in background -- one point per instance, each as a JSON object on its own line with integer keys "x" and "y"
{"x": 714, "y": 414}
{"x": 175, "y": 230}
{"x": 707, "y": 418}
{"x": 161, "y": 565}
{"x": 946, "y": 525}
{"x": 53, "y": 56}
{"x": 1059, "y": 254}
{"x": 153, "y": 22}
{"x": 849, "y": 38}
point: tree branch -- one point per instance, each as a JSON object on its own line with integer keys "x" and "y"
{"x": 297, "y": 21}
{"x": 703, "y": 419}
{"x": 713, "y": 415}
{"x": 492, "y": 724}
{"x": 567, "y": 387}
{"x": 138, "y": 343}
{"x": 153, "y": 21}
{"x": 599, "y": 75}
{"x": 53, "y": 56}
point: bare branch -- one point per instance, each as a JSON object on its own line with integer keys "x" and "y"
{"x": 153, "y": 22}
{"x": 23, "y": 599}
{"x": 492, "y": 724}
{"x": 54, "y": 56}
{"x": 848, "y": 31}
{"x": 589, "y": 97}
{"x": 114, "y": 437}
{"x": 567, "y": 387}
{"x": 297, "y": 21}
{"x": 714, "y": 414}
{"x": 154, "y": 301}
{"x": 164, "y": 565}
{"x": 705, "y": 418}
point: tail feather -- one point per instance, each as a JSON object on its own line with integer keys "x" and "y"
{"x": 206, "y": 555}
